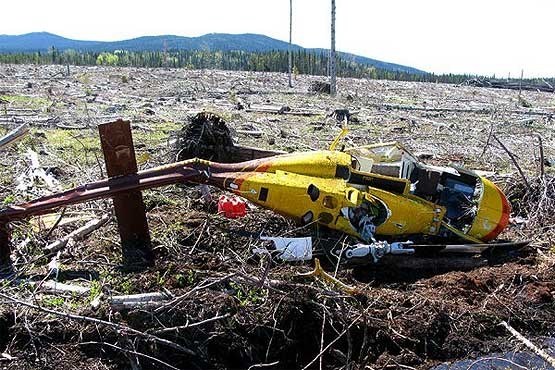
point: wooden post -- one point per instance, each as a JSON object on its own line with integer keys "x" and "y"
{"x": 119, "y": 155}
{"x": 520, "y": 83}
{"x": 333, "y": 88}
{"x": 290, "y": 40}
{"x": 5, "y": 248}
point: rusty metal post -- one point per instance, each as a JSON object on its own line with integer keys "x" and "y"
{"x": 5, "y": 247}
{"x": 119, "y": 155}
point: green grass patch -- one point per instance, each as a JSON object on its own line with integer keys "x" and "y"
{"x": 73, "y": 140}
{"x": 26, "y": 101}
{"x": 96, "y": 289}
{"x": 248, "y": 296}
{"x": 84, "y": 78}
{"x": 126, "y": 287}
{"x": 158, "y": 135}
{"x": 401, "y": 100}
{"x": 53, "y": 302}
{"x": 75, "y": 147}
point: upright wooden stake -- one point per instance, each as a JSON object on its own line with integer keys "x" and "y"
{"x": 119, "y": 155}
{"x": 5, "y": 248}
{"x": 290, "y": 40}
{"x": 333, "y": 89}
{"x": 520, "y": 84}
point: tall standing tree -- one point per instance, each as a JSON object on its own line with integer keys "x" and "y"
{"x": 290, "y": 40}
{"x": 333, "y": 89}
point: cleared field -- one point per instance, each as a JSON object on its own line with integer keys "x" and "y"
{"x": 224, "y": 307}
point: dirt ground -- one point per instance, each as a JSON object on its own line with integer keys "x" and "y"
{"x": 226, "y": 307}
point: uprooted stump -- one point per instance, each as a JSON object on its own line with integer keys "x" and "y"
{"x": 320, "y": 87}
{"x": 205, "y": 136}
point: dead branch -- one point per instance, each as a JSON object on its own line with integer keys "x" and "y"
{"x": 188, "y": 326}
{"x": 197, "y": 288}
{"x": 70, "y": 127}
{"x": 58, "y": 221}
{"x": 485, "y": 359}
{"x": 488, "y": 140}
{"x": 7, "y": 357}
{"x": 335, "y": 340}
{"x": 119, "y": 327}
{"x": 322, "y": 336}
{"x": 256, "y": 366}
{"x": 514, "y": 162}
{"x": 135, "y": 353}
{"x": 531, "y": 346}
{"x": 542, "y": 159}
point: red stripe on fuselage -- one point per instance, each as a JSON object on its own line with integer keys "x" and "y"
{"x": 239, "y": 180}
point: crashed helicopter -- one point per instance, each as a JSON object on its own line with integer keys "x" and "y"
{"x": 380, "y": 194}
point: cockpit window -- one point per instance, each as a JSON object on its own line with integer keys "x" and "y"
{"x": 459, "y": 195}
{"x": 388, "y": 159}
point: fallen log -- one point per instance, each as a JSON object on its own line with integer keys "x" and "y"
{"x": 54, "y": 287}
{"x": 511, "y": 85}
{"x": 143, "y": 300}
{"x": 459, "y": 110}
{"x": 14, "y": 135}
{"x": 9, "y": 113}
{"x": 11, "y": 119}
{"x": 77, "y": 235}
{"x": 255, "y": 133}
{"x": 70, "y": 127}
{"x": 10, "y": 109}
{"x": 283, "y": 110}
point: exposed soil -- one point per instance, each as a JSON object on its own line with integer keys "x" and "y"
{"x": 243, "y": 310}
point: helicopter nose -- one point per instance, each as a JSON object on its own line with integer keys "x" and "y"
{"x": 504, "y": 219}
{"x": 493, "y": 213}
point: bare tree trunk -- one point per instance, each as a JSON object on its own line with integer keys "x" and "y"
{"x": 520, "y": 84}
{"x": 290, "y": 39}
{"x": 333, "y": 89}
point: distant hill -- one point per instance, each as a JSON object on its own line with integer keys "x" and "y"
{"x": 376, "y": 63}
{"x": 43, "y": 41}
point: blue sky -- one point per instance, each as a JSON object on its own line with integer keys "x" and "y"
{"x": 442, "y": 36}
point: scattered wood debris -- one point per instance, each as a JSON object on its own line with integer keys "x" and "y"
{"x": 225, "y": 307}
{"x": 514, "y": 84}
{"x": 77, "y": 234}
